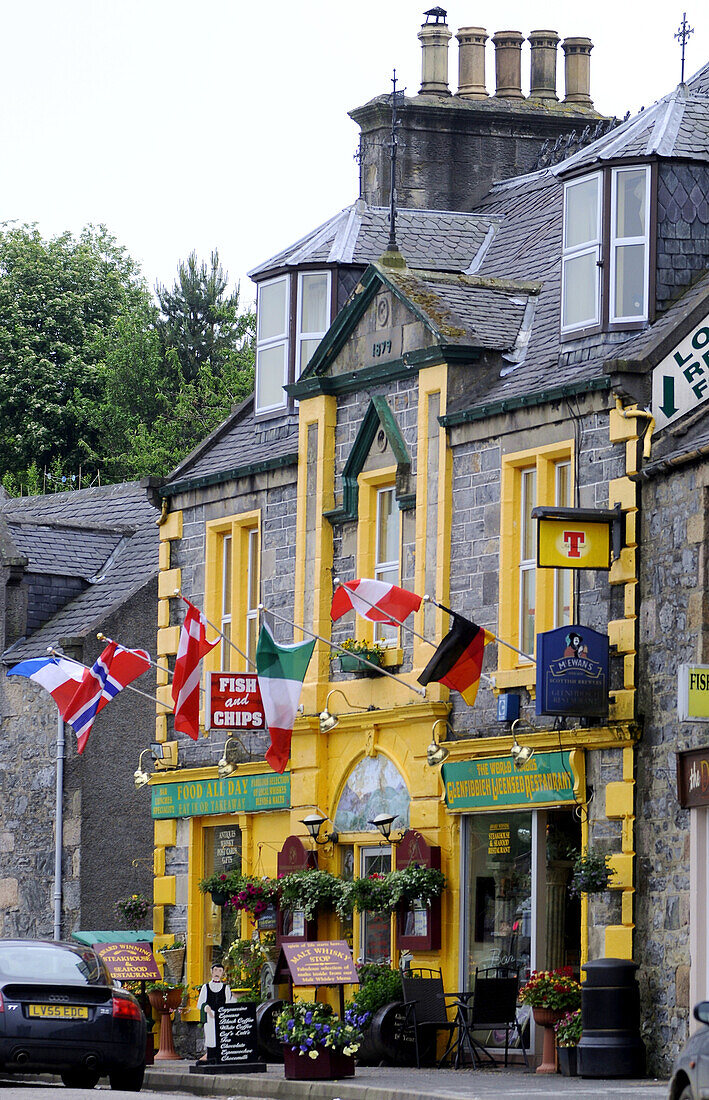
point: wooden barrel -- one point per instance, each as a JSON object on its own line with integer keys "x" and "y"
{"x": 270, "y": 1048}
{"x": 392, "y": 1040}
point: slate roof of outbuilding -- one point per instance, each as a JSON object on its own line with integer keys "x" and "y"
{"x": 435, "y": 240}
{"x": 108, "y": 534}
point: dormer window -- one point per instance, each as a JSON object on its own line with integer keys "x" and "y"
{"x": 284, "y": 346}
{"x": 606, "y": 251}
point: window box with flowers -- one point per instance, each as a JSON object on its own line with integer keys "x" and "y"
{"x": 317, "y": 1044}
{"x": 350, "y": 661}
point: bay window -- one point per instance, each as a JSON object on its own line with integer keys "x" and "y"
{"x": 313, "y": 315}
{"x": 605, "y": 270}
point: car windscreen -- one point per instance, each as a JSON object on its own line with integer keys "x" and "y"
{"x": 49, "y": 963}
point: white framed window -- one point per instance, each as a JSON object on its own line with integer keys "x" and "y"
{"x": 629, "y": 244}
{"x": 252, "y": 592}
{"x": 273, "y": 312}
{"x": 527, "y": 560}
{"x": 581, "y": 255}
{"x": 313, "y": 315}
{"x": 386, "y": 555}
{"x": 225, "y": 621}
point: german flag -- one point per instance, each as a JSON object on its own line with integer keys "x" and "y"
{"x": 457, "y": 662}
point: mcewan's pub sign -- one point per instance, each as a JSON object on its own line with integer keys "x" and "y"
{"x": 572, "y": 672}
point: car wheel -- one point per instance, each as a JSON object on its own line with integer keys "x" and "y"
{"x": 127, "y": 1080}
{"x": 80, "y": 1079}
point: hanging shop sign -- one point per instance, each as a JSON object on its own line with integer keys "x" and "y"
{"x": 245, "y": 794}
{"x": 234, "y": 702}
{"x": 693, "y": 778}
{"x": 680, "y": 381}
{"x": 577, "y": 538}
{"x": 328, "y": 962}
{"x": 493, "y": 782}
{"x": 129, "y": 962}
{"x": 572, "y": 672}
{"x": 693, "y": 693}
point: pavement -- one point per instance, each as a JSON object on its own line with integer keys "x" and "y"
{"x": 395, "y": 1083}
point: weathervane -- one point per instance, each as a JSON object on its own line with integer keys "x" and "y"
{"x": 683, "y": 32}
{"x": 392, "y": 246}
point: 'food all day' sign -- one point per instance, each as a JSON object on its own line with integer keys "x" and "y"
{"x": 234, "y": 702}
{"x": 680, "y": 381}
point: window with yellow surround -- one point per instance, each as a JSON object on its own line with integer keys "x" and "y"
{"x": 233, "y": 587}
{"x": 531, "y": 600}
{"x": 379, "y": 539}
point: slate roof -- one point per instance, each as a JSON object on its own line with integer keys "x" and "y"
{"x": 106, "y": 534}
{"x": 676, "y": 126}
{"x": 432, "y": 240}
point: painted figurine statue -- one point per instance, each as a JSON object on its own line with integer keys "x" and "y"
{"x": 212, "y": 996}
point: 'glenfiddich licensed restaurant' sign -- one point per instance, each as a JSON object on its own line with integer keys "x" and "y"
{"x": 493, "y": 782}
{"x": 241, "y": 794}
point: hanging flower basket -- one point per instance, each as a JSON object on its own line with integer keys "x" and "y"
{"x": 309, "y": 891}
{"x": 591, "y": 873}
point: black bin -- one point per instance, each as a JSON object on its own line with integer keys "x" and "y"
{"x": 610, "y": 1043}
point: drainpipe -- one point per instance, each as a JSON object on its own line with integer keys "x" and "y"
{"x": 59, "y": 830}
{"x": 639, "y": 414}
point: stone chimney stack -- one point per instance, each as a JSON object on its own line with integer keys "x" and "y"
{"x": 434, "y": 39}
{"x": 577, "y": 60}
{"x": 508, "y": 64}
{"x": 543, "y": 67}
{"x": 471, "y": 62}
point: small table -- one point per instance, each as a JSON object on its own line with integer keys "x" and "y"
{"x": 462, "y": 1036}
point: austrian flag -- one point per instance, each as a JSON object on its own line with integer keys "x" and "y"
{"x": 192, "y": 647}
{"x": 374, "y": 600}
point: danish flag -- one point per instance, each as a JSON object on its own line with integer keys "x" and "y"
{"x": 185, "y": 681}
{"x": 375, "y": 600}
{"x": 111, "y": 672}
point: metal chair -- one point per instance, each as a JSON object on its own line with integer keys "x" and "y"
{"x": 494, "y": 1007}
{"x": 425, "y": 1010}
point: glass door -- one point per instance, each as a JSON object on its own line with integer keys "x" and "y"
{"x": 375, "y": 928}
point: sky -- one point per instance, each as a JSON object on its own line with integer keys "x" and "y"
{"x": 189, "y": 126}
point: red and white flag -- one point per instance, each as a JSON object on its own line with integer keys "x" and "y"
{"x": 111, "y": 672}
{"x": 185, "y": 681}
{"x": 375, "y": 600}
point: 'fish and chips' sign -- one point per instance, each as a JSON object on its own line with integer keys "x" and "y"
{"x": 234, "y": 702}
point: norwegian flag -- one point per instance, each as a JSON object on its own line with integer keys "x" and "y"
{"x": 375, "y": 600}
{"x": 111, "y": 672}
{"x": 185, "y": 681}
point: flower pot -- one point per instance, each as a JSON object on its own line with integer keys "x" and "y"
{"x": 349, "y": 663}
{"x": 174, "y": 961}
{"x": 546, "y": 1018}
{"x": 567, "y": 1061}
{"x": 219, "y": 897}
{"x": 329, "y": 1065}
{"x": 164, "y": 1002}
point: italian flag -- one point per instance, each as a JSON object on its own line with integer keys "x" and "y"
{"x": 281, "y": 670}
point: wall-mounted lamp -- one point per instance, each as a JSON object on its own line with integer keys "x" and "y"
{"x": 225, "y": 768}
{"x": 521, "y": 754}
{"x": 313, "y": 823}
{"x": 164, "y": 755}
{"x": 140, "y": 776}
{"x": 328, "y": 721}
{"x": 384, "y": 822}
{"x": 436, "y": 753}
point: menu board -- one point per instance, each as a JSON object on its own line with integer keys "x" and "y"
{"x": 236, "y": 1033}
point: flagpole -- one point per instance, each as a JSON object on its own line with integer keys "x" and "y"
{"x": 105, "y": 638}
{"x": 128, "y": 687}
{"x": 219, "y": 632}
{"x": 404, "y": 626}
{"x": 347, "y": 652}
{"x": 527, "y": 657}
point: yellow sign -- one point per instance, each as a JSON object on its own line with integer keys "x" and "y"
{"x": 693, "y": 693}
{"x": 573, "y": 544}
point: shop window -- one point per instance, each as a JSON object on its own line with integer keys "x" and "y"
{"x": 233, "y": 586}
{"x": 530, "y": 600}
{"x": 386, "y": 562}
{"x": 606, "y": 250}
{"x": 375, "y": 928}
{"x": 222, "y": 924}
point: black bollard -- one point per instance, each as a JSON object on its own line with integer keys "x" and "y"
{"x": 610, "y": 1044}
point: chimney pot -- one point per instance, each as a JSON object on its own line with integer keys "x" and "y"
{"x": 543, "y": 65}
{"x": 577, "y": 64}
{"x": 434, "y": 38}
{"x": 471, "y": 62}
{"x": 508, "y": 64}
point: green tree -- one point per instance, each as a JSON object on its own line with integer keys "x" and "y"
{"x": 60, "y": 301}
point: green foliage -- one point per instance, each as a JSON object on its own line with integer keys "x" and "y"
{"x": 243, "y": 962}
{"x": 591, "y": 873}
{"x": 568, "y": 1029}
{"x": 554, "y": 989}
{"x": 305, "y": 1027}
{"x": 379, "y": 986}
{"x": 309, "y": 891}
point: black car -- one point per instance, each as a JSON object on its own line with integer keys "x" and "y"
{"x": 60, "y": 1013}
{"x": 690, "y": 1076}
